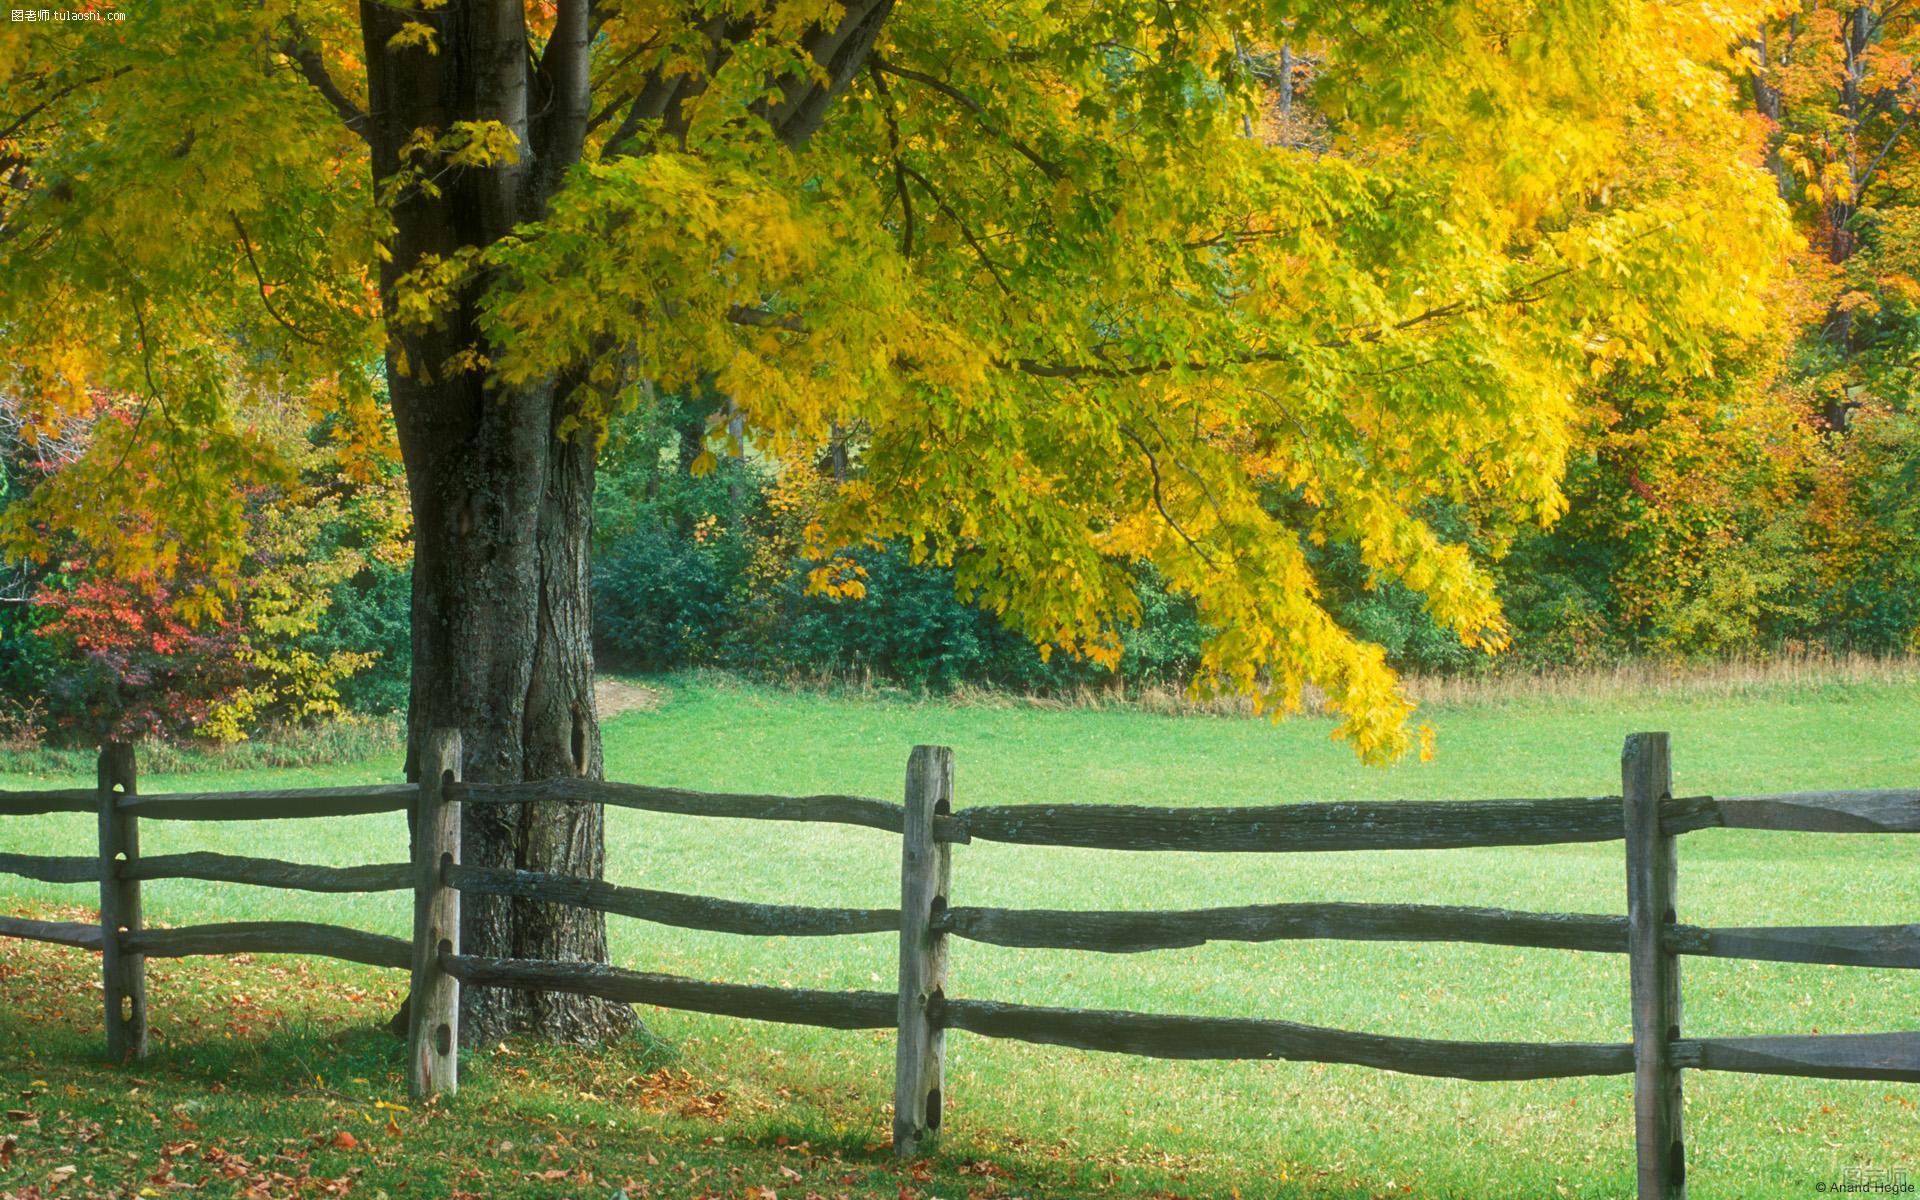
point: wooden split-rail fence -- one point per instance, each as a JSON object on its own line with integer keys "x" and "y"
{"x": 1647, "y": 816}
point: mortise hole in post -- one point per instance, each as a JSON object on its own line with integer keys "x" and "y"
{"x": 1669, "y": 917}
{"x": 126, "y": 1009}
{"x": 933, "y": 1109}
{"x": 446, "y": 946}
{"x": 579, "y": 741}
{"x": 1673, "y": 1032}
{"x": 443, "y": 1038}
{"x": 938, "y": 908}
{"x": 1677, "y": 1164}
{"x": 943, "y": 806}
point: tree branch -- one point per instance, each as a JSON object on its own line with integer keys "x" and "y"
{"x": 561, "y": 129}
{"x": 1159, "y": 501}
{"x": 1049, "y": 168}
{"x": 940, "y": 202}
{"x": 266, "y": 297}
{"x": 1873, "y": 168}
{"x": 1054, "y": 370}
{"x": 616, "y": 144}
{"x": 840, "y": 53}
{"x": 20, "y": 122}
{"x": 1237, "y": 237}
{"x": 664, "y": 97}
{"x": 1520, "y": 295}
{"x": 613, "y": 72}
{"x": 899, "y": 168}
{"x": 153, "y": 395}
{"x": 300, "y": 48}
{"x": 760, "y": 318}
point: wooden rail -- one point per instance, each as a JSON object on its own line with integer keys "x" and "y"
{"x": 1132, "y": 932}
{"x": 1824, "y": 812}
{"x": 791, "y": 1006}
{"x": 51, "y": 869}
{"x": 674, "y": 908}
{"x": 1646, "y": 816}
{"x": 1161, "y": 1036}
{"x": 52, "y": 800}
{"x": 844, "y": 810}
{"x": 60, "y": 933}
{"x": 273, "y": 937}
{"x": 222, "y": 806}
{"x": 271, "y": 872}
{"x": 1892, "y": 1057}
{"x": 1388, "y": 825}
{"x": 1831, "y": 945}
{"x": 276, "y": 805}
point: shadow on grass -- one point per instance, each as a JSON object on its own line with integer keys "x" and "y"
{"x": 278, "y": 1077}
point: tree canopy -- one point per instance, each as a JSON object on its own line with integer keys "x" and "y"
{"x": 1074, "y": 284}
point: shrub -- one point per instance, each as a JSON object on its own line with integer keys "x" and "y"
{"x": 1869, "y": 519}
{"x": 664, "y": 597}
{"x": 130, "y": 666}
{"x": 371, "y": 613}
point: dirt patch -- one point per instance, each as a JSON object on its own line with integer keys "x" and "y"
{"x": 615, "y": 696}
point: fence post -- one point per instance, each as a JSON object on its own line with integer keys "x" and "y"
{"x": 124, "y": 975}
{"x": 926, "y": 868}
{"x": 1646, "y": 779}
{"x": 433, "y": 1011}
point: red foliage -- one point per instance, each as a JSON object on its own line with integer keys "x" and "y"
{"x": 141, "y": 669}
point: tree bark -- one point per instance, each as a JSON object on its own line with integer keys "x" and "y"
{"x": 502, "y": 504}
{"x": 502, "y": 513}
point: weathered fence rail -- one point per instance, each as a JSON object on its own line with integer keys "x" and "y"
{"x": 1645, "y": 816}
{"x": 272, "y": 937}
{"x": 842, "y": 810}
{"x": 674, "y": 908}
{"x": 789, "y": 1006}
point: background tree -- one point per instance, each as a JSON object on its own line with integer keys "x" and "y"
{"x": 1838, "y": 86}
{"x": 1030, "y": 274}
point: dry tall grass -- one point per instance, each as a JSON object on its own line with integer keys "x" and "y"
{"x": 1733, "y": 677}
{"x": 1707, "y": 681}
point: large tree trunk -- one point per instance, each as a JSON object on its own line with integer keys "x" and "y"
{"x": 502, "y": 505}
{"x": 502, "y": 514}
{"x": 502, "y": 652}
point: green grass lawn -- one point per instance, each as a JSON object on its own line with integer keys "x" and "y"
{"x": 726, "y": 1107}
